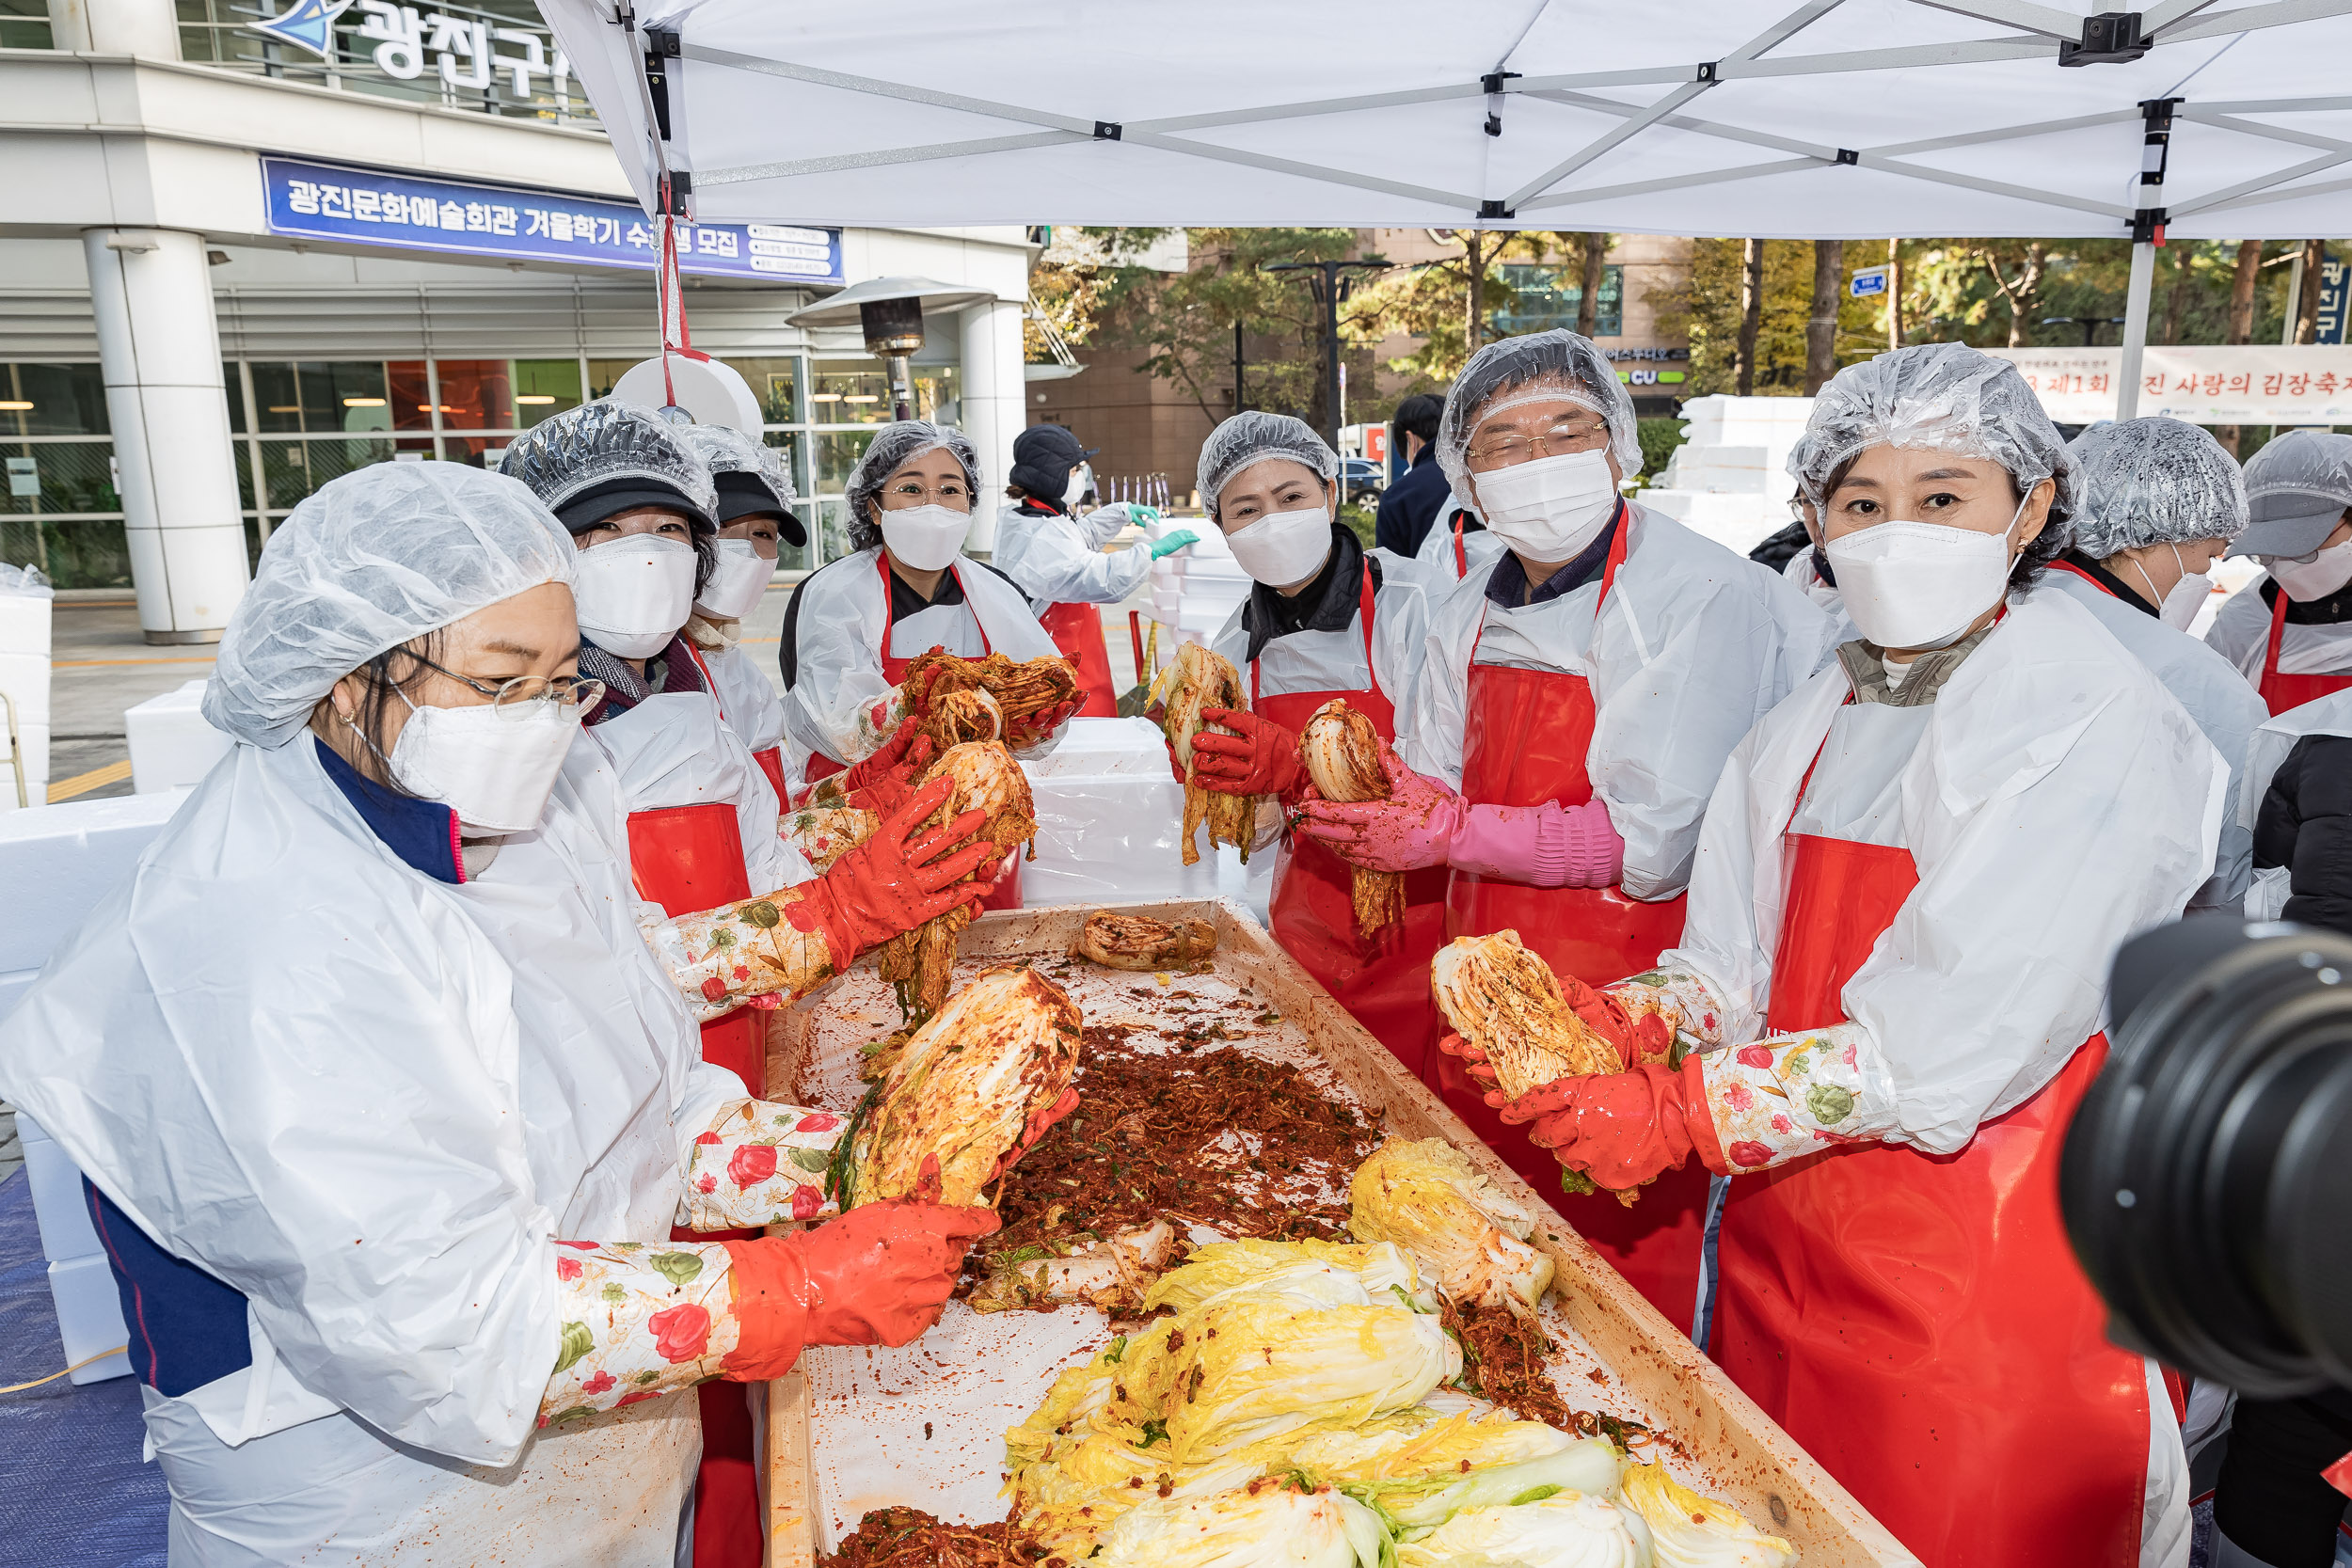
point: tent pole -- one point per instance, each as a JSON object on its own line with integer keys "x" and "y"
{"x": 2135, "y": 329}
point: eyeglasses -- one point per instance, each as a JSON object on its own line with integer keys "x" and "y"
{"x": 512, "y": 699}
{"x": 1568, "y": 436}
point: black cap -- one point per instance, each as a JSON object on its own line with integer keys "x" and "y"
{"x": 746, "y": 494}
{"x": 1042, "y": 456}
{"x": 591, "y": 506}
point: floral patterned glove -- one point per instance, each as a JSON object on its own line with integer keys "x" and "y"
{"x": 1785, "y": 1096}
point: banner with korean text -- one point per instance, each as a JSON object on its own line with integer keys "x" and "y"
{"x": 360, "y": 206}
{"x": 2245, "y": 383}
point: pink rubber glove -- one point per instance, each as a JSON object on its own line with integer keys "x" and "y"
{"x": 1544, "y": 846}
{"x": 1414, "y": 828}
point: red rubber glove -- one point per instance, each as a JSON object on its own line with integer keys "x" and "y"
{"x": 1647, "y": 1041}
{"x": 897, "y": 880}
{"x": 1041, "y": 1123}
{"x": 1622, "y": 1129}
{"x": 1038, "y": 726}
{"x": 878, "y": 1276}
{"x": 904, "y": 754}
{"x": 1262, "y": 759}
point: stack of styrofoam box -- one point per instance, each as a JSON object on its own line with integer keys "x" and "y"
{"x": 24, "y": 678}
{"x": 1730, "y": 478}
{"x": 1195, "y": 592}
{"x": 171, "y": 745}
{"x": 57, "y": 864}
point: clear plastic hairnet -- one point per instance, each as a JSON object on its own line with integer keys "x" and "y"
{"x": 1520, "y": 370}
{"x": 895, "y": 445}
{"x": 365, "y": 563}
{"x": 563, "y": 457}
{"x": 726, "y": 451}
{"x": 1938, "y": 397}
{"x": 1252, "y": 437}
{"x": 2155, "y": 481}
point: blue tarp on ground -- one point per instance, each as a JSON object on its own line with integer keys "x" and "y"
{"x": 74, "y": 1492}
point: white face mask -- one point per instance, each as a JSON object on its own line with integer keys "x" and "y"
{"x": 494, "y": 769}
{"x": 925, "y": 538}
{"x": 738, "y": 580}
{"x": 1284, "y": 548}
{"x": 1919, "y": 585}
{"x": 1075, "y": 491}
{"x": 2178, "y": 607}
{"x": 1552, "y": 508}
{"x": 2315, "y": 579}
{"x": 634, "y": 592}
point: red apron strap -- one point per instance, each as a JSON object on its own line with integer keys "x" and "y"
{"x": 1363, "y": 614}
{"x": 881, "y": 559}
{"x": 709, "y": 685}
{"x": 2277, "y": 633}
{"x": 1461, "y": 556}
{"x": 2070, "y": 567}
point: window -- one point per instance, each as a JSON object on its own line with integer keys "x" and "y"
{"x": 857, "y": 392}
{"x": 52, "y": 400}
{"x": 58, "y": 507}
{"x": 543, "y": 387}
{"x": 1545, "y": 297}
{"x": 24, "y": 24}
{"x": 773, "y": 382}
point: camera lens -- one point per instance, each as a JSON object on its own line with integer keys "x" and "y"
{"x": 2207, "y": 1180}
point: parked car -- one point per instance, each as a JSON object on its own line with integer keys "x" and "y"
{"x": 1361, "y": 477}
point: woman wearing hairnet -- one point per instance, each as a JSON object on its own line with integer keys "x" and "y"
{"x": 2291, "y": 634}
{"x": 1326, "y": 618}
{"x": 854, "y": 625}
{"x": 1573, "y": 708}
{"x": 756, "y": 522}
{"x": 2160, "y": 501}
{"x": 1056, "y": 556}
{"x": 1911, "y": 879}
{"x": 388, "y": 1109}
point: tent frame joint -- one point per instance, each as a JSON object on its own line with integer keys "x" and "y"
{"x": 1492, "y": 207}
{"x": 1105, "y": 130}
{"x": 2109, "y": 38}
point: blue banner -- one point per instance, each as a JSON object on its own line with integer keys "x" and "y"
{"x": 2332, "y": 279}
{"x": 360, "y": 206}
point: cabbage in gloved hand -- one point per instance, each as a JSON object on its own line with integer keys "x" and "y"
{"x": 1570, "y": 1529}
{"x": 1689, "y": 1530}
{"x": 1264, "y": 1524}
{"x": 1194, "y": 679}
{"x": 1427, "y": 1197}
{"x": 977, "y": 1082}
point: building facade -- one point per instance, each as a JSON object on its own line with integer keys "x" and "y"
{"x": 239, "y": 265}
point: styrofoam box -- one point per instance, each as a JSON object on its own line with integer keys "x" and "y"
{"x": 24, "y": 624}
{"x": 66, "y": 1233}
{"x": 171, "y": 745}
{"x": 57, "y": 864}
{"x": 89, "y": 1317}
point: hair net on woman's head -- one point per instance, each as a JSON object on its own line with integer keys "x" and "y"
{"x": 1936, "y": 397}
{"x": 895, "y": 445}
{"x": 751, "y": 477}
{"x": 364, "y": 565}
{"x": 604, "y": 457}
{"x": 2155, "y": 481}
{"x": 1514, "y": 370}
{"x": 1252, "y": 437}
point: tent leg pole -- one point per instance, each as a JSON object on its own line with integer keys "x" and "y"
{"x": 2134, "y": 330}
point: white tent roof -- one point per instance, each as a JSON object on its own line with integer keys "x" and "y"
{"x": 1854, "y": 119}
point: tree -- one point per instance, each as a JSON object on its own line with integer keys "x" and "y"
{"x": 2241, "y": 323}
{"x": 1751, "y": 311}
{"x": 2015, "y": 269}
{"x": 1821, "y": 327}
{"x": 1596, "y": 269}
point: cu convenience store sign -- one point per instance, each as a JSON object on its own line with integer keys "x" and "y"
{"x": 360, "y": 206}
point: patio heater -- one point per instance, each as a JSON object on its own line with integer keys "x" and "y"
{"x": 889, "y": 312}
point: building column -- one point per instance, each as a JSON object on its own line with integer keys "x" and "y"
{"x": 159, "y": 353}
{"x": 145, "y": 27}
{"x": 995, "y": 401}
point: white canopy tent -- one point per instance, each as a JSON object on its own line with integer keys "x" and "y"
{"x": 1835, "y": 119}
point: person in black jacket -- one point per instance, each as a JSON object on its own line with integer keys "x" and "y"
{"x": 1410, "y": 505}
{"x": 2272, "y": 1508}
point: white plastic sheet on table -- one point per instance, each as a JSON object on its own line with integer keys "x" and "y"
{"x": 1109, "y": 814}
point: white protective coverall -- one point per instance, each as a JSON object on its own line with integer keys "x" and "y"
{"x": 845, "y": 633}
{"x": 2215, "y": 695}
{"x": 1060, "y": 560}
{"x": 1805, "y": 576}
{"x": 1438, "y": 564}
{"x": 1696, "y": 645}
{"x": 747, "y": 698}
{"x": 2241, "y": 634}
{"x": 430, "y": 1085}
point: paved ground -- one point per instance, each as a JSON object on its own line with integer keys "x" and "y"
{"x": 102, "y": 667}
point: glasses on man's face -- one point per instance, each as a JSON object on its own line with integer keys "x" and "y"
{"x": 512, "y": 699}
{"x": 1503, "y": 450}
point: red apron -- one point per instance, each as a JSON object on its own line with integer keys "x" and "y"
{"x": 1077, "y": 631}
{"x": 2281, "y": 691}
{"x": 771, "y": 760}
{"x": 689, "y": 858}
{"x": 1383, "y": 984}
{"x": 1007, "y": 894}
{"x": 1524, "y": 742}
{"x": 1918, "y": 1323}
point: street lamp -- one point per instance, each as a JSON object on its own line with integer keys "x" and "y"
{"x": 890, "y": 312}
{"x": 1330, "y": 283}
{"x": 2089, "y": 325}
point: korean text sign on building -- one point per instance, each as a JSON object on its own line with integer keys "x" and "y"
{"x": 2246, "y": 383}
{"x": 358, "y": 206}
